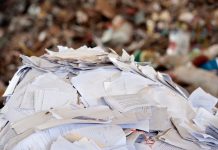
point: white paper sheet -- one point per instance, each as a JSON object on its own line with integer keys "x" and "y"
{"x": 100, "y": 112}
{"x": 133, "y": 117}
{"x": 16, "y": 114}
{"x": 173, "y": 138}
{"x": 166, "y": 80}
{"x": 204, "y": 118}
{"x": 15, "y": 80}
{"x": 28, "y": 98}
{"x": 202, "y": 137}
{"x": 82, "y": 144}
{"x": 84, "y": 54}
{"x": 3, "y": 122}
{"x": 126, "y": 83}
{"x": 177, "y": 106}
{"x": 31, "y": 122}
{"x": 160, "y": 119}
{"x": 159, "y": 145}
{"x": 103, "y": 135}
{"x": 124, "y": 103}
{"x": 42, "y": 140}
{"x": 185, "y": 128}
{"x": 52, "y": 92}
{"x": 40, "y": 63}
{"x": 6, "y": 134}
{"x": 199, "y": 98}
{"x": 92, "y": 115}
{"x": 90, "y": 84}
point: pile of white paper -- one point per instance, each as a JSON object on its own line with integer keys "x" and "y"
{"x": 90, "y": 99}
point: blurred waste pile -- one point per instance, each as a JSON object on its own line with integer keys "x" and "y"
{"x": 95, "y": 99}
{"x": 168, "y": 33}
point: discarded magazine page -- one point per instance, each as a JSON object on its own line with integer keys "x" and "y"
{"x": 92, "y": 99}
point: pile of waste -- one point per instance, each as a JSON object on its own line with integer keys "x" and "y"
{"x": 93, "y": 98}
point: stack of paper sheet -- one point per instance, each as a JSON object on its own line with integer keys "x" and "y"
{"x": 88, "y": 98}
